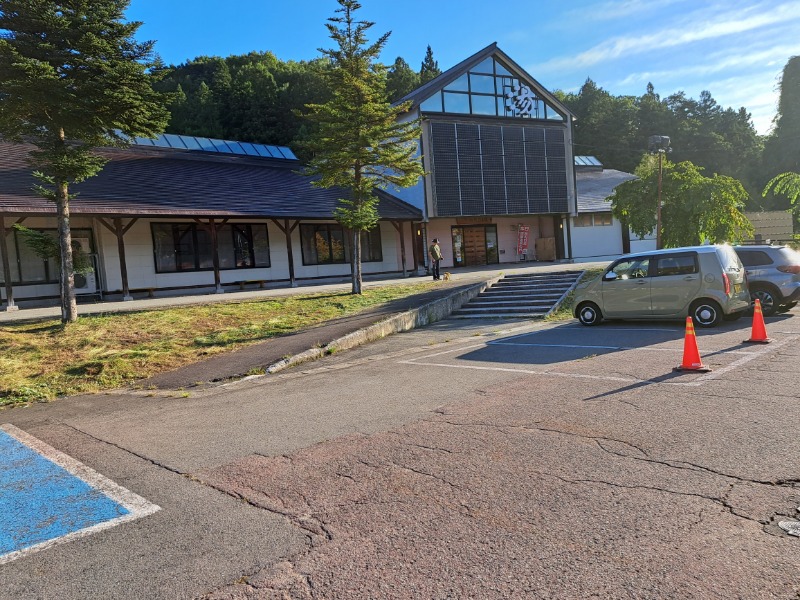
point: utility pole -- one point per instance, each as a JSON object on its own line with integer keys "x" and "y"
{"x": 659, "y": 144}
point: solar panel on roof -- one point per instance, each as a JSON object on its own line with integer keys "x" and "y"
{"x": 191, "y": 142}
{"x": 174, "y": 141}
{"x": 203, "y": 144}
{"x": 221, "y": 146}
{"x": 262, "y": 150}
{"x": 248, "y": 149}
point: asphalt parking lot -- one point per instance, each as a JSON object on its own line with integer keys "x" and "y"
{"x": 632, "y": 352}
{"x": 465, "y": 459}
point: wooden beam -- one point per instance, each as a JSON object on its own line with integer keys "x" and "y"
{"x": 414, "y": 248}
{"x": 119, "y": 231}
{"x": 10, "y": 306}
{"x": 290, "y": 254}
{"x": 215, "y": 255}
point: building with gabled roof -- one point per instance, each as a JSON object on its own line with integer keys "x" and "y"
{"x": 497, "y": 151}
{"x": 181, "y": 213}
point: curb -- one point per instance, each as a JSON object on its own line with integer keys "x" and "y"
{"x": 405, "y": 321}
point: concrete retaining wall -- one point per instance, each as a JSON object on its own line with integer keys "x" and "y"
{"x": 416, "y": 317}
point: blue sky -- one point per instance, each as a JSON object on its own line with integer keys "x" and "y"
{"x": 736, "y": 49}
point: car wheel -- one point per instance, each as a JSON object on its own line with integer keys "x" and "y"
{"x": 706, "y": 313}
{"x": 768, "y": 299}
{"x": 589, "y": 314}
{"x": 786, "y": 307}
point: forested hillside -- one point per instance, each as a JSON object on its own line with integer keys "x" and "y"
{"x": 258, "y": 97}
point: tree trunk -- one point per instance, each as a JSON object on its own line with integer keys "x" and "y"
{"x": 356, "y": 261}
{"x": 69, "y": 308}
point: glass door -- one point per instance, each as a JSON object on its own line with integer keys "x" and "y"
{"x": 492, "y": 253}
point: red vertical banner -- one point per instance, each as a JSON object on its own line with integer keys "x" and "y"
{"x": 522, "y": 239}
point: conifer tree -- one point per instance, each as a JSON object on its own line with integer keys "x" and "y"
{"x": 72, "y": 78}
{"x": 359, "y": 145}
{"x": 430, "y": 68}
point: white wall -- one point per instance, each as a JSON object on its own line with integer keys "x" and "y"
{"x": 142, "y": 274}
{"x": 598, "y": 242}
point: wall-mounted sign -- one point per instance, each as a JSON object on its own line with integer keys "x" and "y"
{"x": 522, "y": 100}
{"x": 473, "y": 220}
{"x": 522, "y": 239}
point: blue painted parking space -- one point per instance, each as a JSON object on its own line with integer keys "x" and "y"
{"x": 47, "y": 497}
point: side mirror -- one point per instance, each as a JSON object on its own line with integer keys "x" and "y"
{"x": 610, "y": 276}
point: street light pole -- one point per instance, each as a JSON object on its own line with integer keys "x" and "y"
{"x": 658, "y": 205}
{"x": 659, "y": 144}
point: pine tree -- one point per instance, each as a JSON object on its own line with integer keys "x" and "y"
{"x": 72, "y": 77}
{"x": 429, "y": 69}
{"x": 401, "y": 80}
{"x": 359, "y": 144}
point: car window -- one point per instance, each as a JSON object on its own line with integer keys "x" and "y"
{"x": 754, "y": 258}
{"x": 633, "y": 268}
{"x": 676, "y": 265}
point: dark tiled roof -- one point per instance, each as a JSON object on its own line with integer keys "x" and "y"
{"x": 151, "y": 182}
{"x": 425, "y": 91}
{"x": 594, "y": 187}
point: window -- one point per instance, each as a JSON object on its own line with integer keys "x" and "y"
{"x": 490, "y": 89}
{"x": 582, "y": 220}
{"x": 602, "y": 219}
{"x": 327, "y": 243}
{"x": 188, "y": 247}
{"x": 754, "y": 258}
{"x": 676, "y": 265}
{"x": 632, "y": 268}
{"x": 26, "y": 266}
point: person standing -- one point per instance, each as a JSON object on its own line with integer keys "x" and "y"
{"x": 436, "y": 255}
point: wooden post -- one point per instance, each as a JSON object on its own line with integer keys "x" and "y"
{"x": 10, "y": 306}
{"x": 215, "y": 256}
{"x": 287, "y": 231}
{"x": 399, "y": 227}
{"x": 119, "y": 231}
{"x": 414, "y": 248}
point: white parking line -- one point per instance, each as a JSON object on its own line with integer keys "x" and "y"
{"x": 608, "y": 347}
{"x": 136, "y": 506}
{"x": 748, "y": 357}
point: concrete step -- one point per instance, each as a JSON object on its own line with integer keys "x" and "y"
{"x": 519, "y": 296}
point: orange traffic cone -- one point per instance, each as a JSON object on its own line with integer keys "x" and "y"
{"x": 759, "y": 333}
{"x": 691, "y": 355}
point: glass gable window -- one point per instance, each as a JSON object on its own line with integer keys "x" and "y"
{"x": 188, "y": 247}
{"x": 328, "y": 243}
{"x": 490, "y": 89}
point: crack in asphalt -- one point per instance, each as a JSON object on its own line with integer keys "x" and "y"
{"x": 129, "y": 451}
{"x": 721, "y": 500}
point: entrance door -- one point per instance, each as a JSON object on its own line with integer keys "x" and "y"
{"x": 475, "y": 245}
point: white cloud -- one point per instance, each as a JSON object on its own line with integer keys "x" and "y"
{"x": 696, "y": 28}
{"x": 607, "y": 11}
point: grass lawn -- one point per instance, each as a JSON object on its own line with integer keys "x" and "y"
{"x": 42, "y": 360}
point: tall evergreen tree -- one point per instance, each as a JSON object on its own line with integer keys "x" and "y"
{"x": 430, "y": 68}
{"x": 72, "y": 77}
{"x": 401, "y": 80}
{"x": 782, "y": 147}
{"x": 360, "y": 145}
